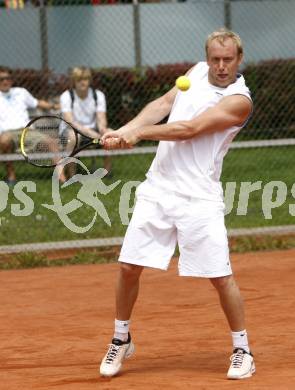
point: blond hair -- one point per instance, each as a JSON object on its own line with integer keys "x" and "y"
{"x": 80, "y": 72}
{"x": 222, "y": 35}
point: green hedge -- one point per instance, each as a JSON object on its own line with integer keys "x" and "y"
{"x": 272, "y": 87}
{"x": 128, "y": 90}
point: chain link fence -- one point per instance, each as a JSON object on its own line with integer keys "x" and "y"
{"x": 136, "y": 50}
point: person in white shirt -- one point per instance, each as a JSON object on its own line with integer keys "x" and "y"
{"x": 85, "y": 108}
{"x": 181, "y": 199}
{"x": 14, "y": 116}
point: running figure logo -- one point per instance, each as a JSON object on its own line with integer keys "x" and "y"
{"x": 91, "y": 186}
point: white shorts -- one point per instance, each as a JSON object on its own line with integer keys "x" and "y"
{"x": 197, "y": 225}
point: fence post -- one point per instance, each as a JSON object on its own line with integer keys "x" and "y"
{"x": 136, "y": 29}
{"x": 227, "y": 14}
{"x": 43, "y": 35}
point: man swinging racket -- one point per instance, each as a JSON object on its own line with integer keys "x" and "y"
{"x": 181, "y": 200}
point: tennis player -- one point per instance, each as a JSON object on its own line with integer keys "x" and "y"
{"x": 181, "y": 199}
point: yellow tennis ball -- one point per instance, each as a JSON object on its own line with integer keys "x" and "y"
{"x": 183, "y": 83}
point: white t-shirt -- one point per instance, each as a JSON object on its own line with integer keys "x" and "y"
{"x": 193, "y": 167}
{"x": 14, "y": 107}
{"x": 84, "y": 110}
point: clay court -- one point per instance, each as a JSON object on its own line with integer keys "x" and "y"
{"x": 56, "y": 323}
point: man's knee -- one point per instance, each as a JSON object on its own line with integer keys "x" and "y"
{"x": 223, "y": 283}
{"x": 130, "y": 271}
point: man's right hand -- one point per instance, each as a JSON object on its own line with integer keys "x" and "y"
{"x": 124, "y": 138}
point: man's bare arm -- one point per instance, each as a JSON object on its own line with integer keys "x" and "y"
{"x": 101, "y": 121}
{"x": 44, "y": 105}
{"x": 230, "y": 111}
{"x": 68, "y": 116}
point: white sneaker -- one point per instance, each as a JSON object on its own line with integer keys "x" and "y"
{"x": 242, "y": 364}
{"x": 118, "y": 350}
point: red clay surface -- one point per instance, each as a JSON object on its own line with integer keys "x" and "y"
{"x": 56, "y": 323}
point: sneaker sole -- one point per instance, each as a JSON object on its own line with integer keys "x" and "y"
{"x": 247, "y": 375}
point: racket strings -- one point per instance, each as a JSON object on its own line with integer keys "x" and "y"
{"x": 47, "y": 141}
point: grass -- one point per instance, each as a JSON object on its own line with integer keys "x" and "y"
{"x": 28, "y": 260}
{"x": 261, "y": 243}
{"x": 43, "y": 225}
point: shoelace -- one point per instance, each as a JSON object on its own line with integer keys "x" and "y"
{"x": 237, "y": 359}
{"x": 112, "y": 353}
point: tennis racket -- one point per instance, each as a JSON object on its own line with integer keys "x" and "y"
{"x": 47, "y": 140}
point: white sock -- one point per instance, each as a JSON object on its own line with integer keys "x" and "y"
{"x": 240, "y": 340}
{"x": 121, "y": 330}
